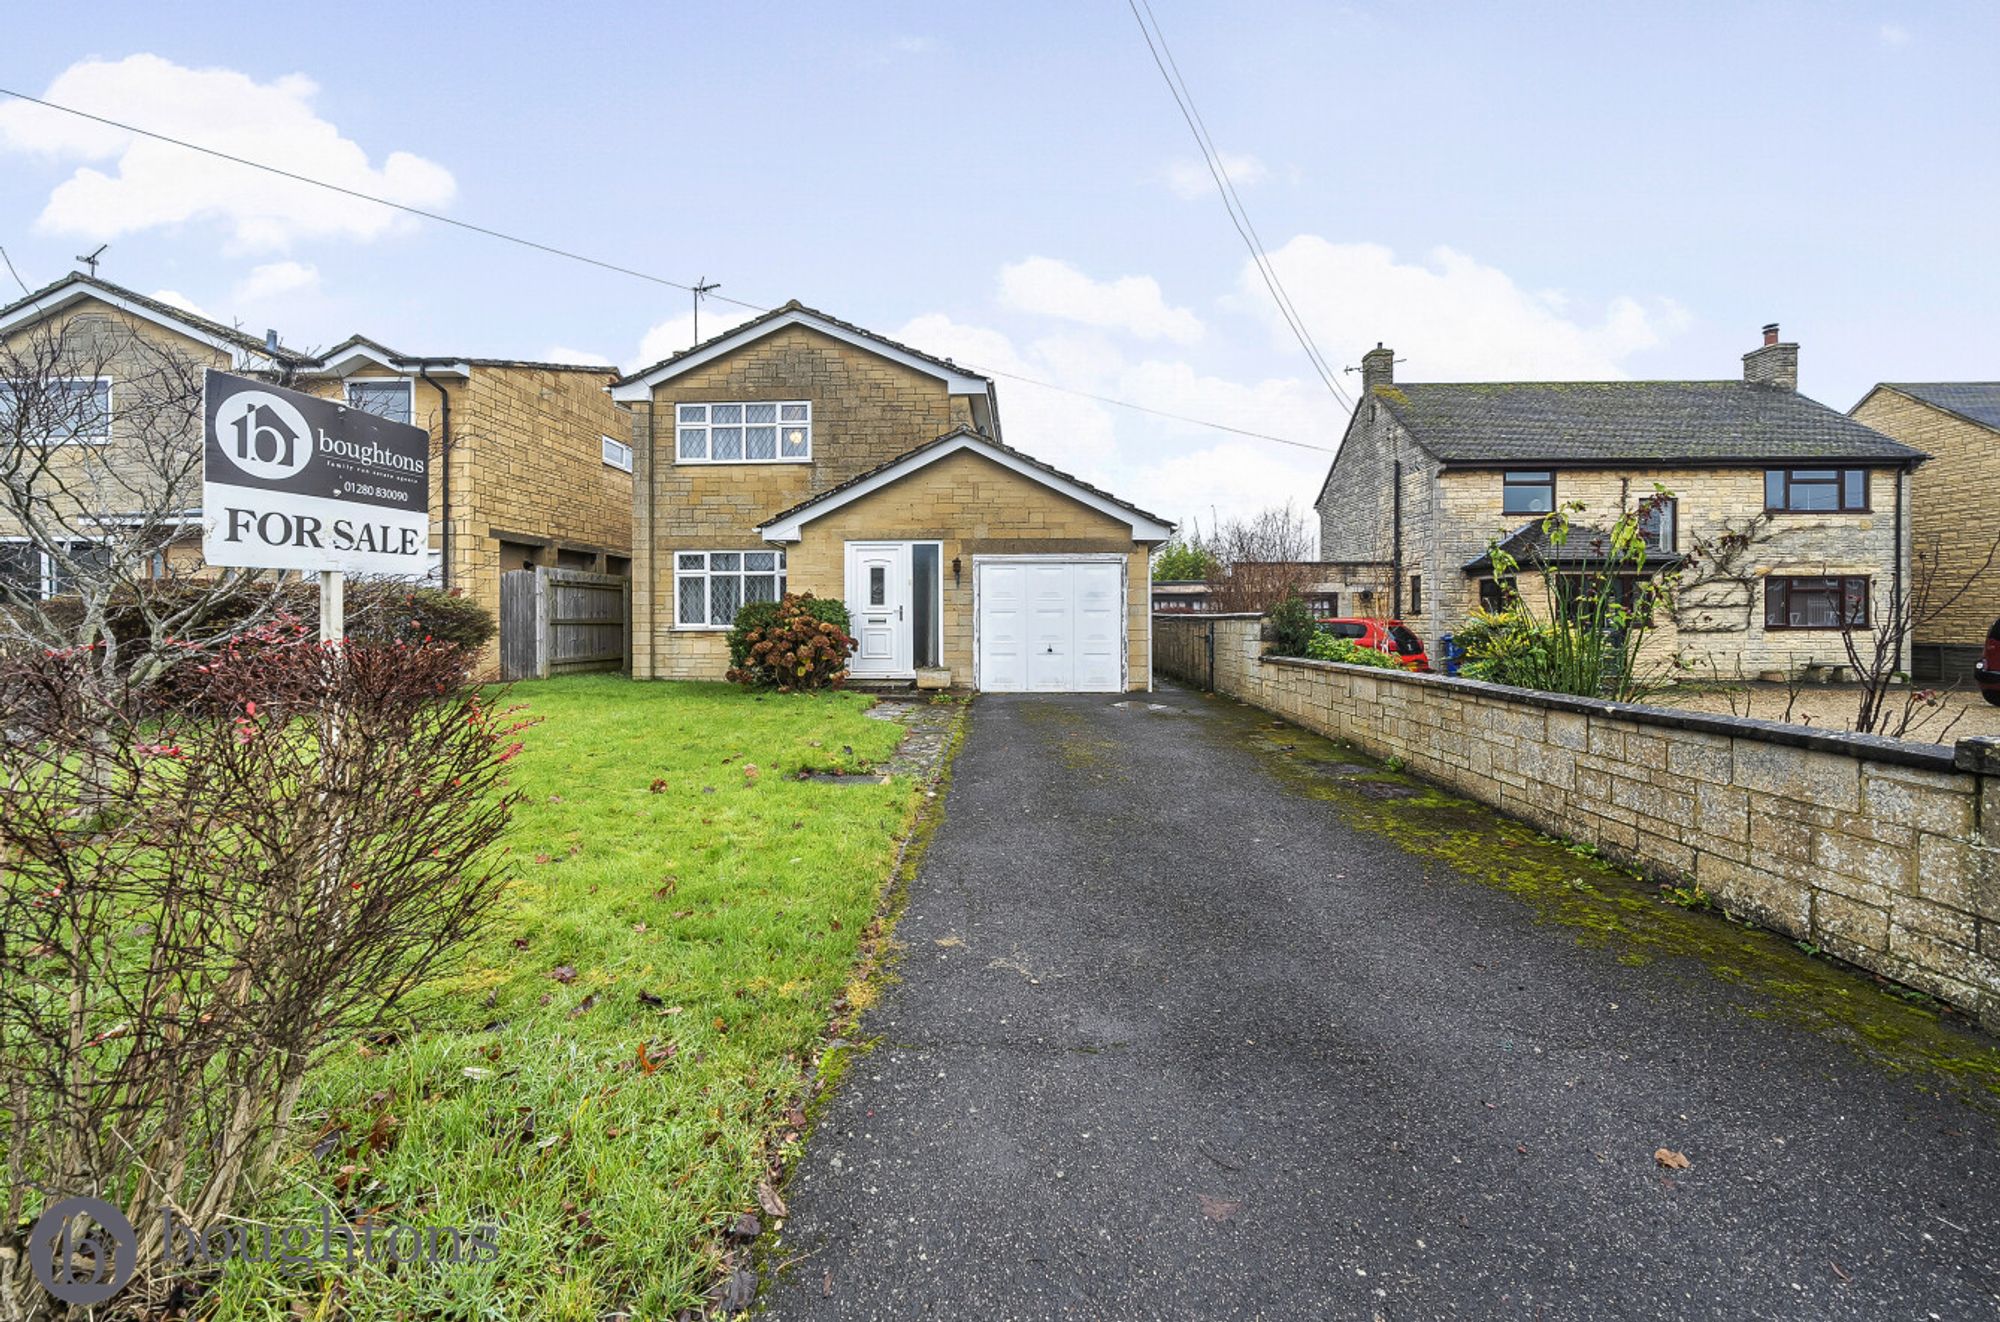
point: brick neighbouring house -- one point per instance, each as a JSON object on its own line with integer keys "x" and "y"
{"x": 798, "y": 452}
{"x": 1954, "y": 512}
{"x": 1430, "y": 475}
{"x": 539, "y": 470}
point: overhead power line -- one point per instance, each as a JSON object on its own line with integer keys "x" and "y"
{"x": 570, "y": 255}
{"x": 1232, "y": 202}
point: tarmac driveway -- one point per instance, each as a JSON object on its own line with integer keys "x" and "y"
{"x": 1180, "y": 1035}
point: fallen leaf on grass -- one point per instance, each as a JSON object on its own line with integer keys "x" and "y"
{"x": 584, "y": 1006}
{"x": 1672, "y": 1160}
{"x": 563, "y": 973}
{"x": 659, "y": 786}
{"x": 638, "y": 927}
{"x": 767, "y": 1198}
{"x": 648, "y": 998}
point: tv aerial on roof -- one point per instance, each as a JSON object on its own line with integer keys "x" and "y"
{"x": 91, "y": 261}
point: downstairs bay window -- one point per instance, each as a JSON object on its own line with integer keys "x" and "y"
{"x": 710, "y": 586}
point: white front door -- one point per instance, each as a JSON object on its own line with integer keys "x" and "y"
{"x": 878, "y": 599}
{"x": 1051, "y": 626}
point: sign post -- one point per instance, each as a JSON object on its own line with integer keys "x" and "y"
{"x": 291, "y": 481}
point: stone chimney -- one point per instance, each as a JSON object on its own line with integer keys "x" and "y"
{"x": 1772, "y": 363}
{"x": 1378, "y": 368}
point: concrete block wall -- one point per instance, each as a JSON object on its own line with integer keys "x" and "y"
{"x": 1884, "y": 853}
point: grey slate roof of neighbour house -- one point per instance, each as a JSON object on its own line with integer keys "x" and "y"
{"x": 1975, "y": 401}
{"x": 1695, "y": 423}
{"x": 1584, "y": 548}
{"x": 77, "y": 285}
{"x": 412, "y": 361}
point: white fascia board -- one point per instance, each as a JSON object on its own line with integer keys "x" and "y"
{"x": 791, "y": 528}
{"x": 641, "y": 389}
{"x": 360, "y": 358}
{"x": 34, "y": 312}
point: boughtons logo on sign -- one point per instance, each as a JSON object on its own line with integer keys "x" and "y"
{"x": 83, "y": 1264}
{"x": 263, "y": 435}
{"x": 292, "y": 481}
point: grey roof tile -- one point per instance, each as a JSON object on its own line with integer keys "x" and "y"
{"x": 1976, "y": 401}
{"x": 1624, "y": 422}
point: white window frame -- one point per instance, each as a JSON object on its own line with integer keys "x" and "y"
{"x": 690, "y": 418}
{"x": 703, "y": 572}
{"x": 45, "y": 580}
{"x": 409, "y": 391}
{"x": 1667, "y": 513}
{"x": 110, "y": 389}
{"x": 616, "y": 453}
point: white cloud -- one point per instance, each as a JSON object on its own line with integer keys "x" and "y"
{"x": 669, "y": 337}
{"x": 1893, "y": 34}
{"x": 1131, "y": 303}
{"x": 1453, "y": 318}
{"x": 176, "y": 299}
{"x": 276, "y": 279}
{"x": 144, "y": 183}
{"x": 1190, "y": 178}
{"x": 1179, "y": 470}
{"x": 562, "y": 353}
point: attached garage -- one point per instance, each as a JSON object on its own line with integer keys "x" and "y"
{"x": 1049, "y": 625}
{"x": 967, "y": 562}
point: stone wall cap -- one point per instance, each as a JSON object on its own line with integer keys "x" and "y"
{"x": 1862, "y": 747}
{"x": 1979, "y": 755}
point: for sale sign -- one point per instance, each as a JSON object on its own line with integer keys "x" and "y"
{"x": 294, "y": 482}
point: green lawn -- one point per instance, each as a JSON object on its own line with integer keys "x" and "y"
{"x": 711, "y": 921}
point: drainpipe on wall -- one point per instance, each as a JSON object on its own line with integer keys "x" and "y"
{"x": 444, "y": 478}
{"x": 1396, "y": 545}
{"x": 1896, "y": 599}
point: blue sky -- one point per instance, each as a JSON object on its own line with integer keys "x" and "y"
{"x": 1533, "y": 191}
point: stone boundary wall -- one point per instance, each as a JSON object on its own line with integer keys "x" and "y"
{"x": 1884, "y": 853}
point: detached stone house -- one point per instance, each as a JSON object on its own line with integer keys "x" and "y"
{"x": 537, "y": 467}
{"x": 1954, "y": 511}
{"x": 1797, "y": 517}
{"x": 798, "y": 452}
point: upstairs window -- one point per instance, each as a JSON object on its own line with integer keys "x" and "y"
{"x": 1659, "y": 526}
{"x": 617, "y": 454}
{"x": 384, "y": 399}
{"x": 1805, "y": 490}
{"x": 1527, "y": 492}
{"x": 59, "y": 411}
{"x": 768, "y": 433}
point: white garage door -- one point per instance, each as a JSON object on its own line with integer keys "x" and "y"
{"x": 1051, "y": 626}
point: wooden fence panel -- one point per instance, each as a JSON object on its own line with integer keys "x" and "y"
{"x": 563, "y": 621}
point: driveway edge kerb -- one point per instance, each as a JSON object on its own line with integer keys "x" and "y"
{"x": 748, "y": 1264}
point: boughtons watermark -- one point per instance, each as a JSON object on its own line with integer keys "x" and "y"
{"x": 84, "y": 1251}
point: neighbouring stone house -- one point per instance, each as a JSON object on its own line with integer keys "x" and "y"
{"x": 1954, "y": 511}
{"x": 1795, "y": 516}
{"x": 798, "y": 452}
{"x": 537, "y": 467}
{"x": 531, "y": 462}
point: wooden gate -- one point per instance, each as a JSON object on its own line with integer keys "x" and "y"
{"x": 563, "y": 622}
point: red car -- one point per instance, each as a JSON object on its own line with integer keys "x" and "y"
{"x": 1986, "y": 670}
{"x": 1393, "y": 637}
